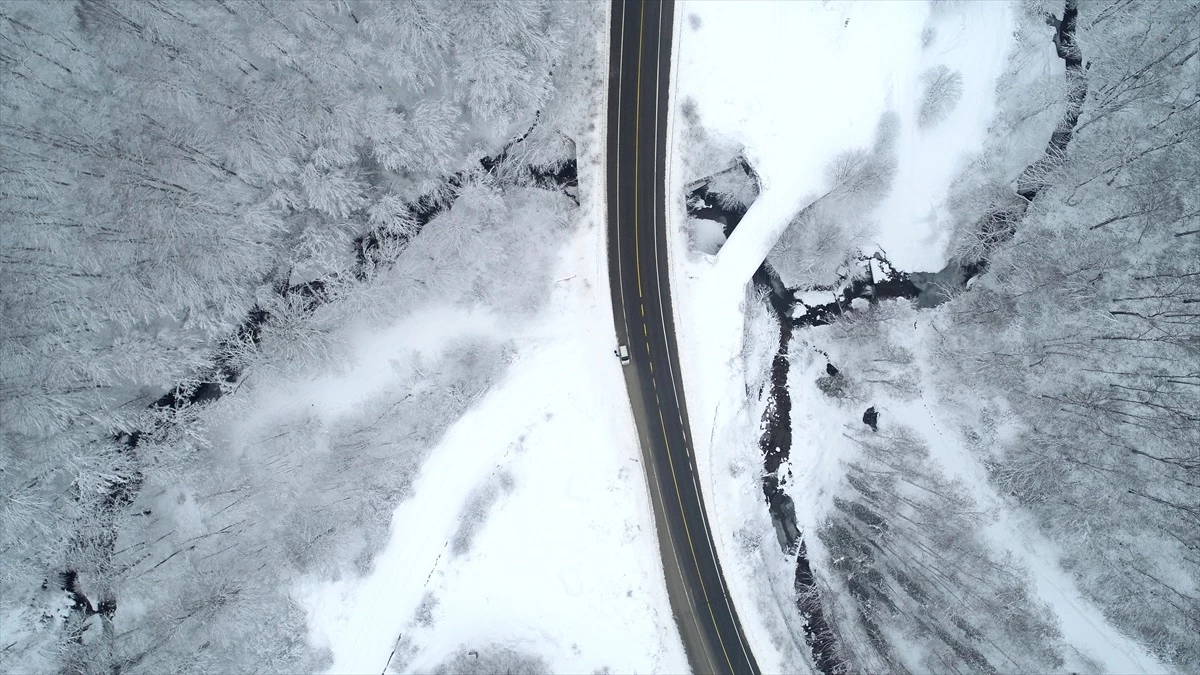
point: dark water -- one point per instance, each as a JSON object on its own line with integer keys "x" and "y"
{"x": 776, "y": 440}
{"x": 1000, "y": 225}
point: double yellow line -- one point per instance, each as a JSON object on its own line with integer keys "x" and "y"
{"x": 645, "y": 331}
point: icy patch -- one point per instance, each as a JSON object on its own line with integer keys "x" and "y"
{"x": 707, "y": 236}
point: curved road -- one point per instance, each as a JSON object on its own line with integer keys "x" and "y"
{"x": 640, "y": 70}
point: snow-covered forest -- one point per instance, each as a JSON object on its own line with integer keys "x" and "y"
{"x": 1084, "y": 327}
{"x": 203, "y": 202}
{"x": 986, "y": 461}
{"x": 306, "y": 344}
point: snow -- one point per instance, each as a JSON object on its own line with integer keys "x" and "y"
{"x": 568, "y": 561}
{"x": 1083, "y": 626}
{"x": 801, "y": 82}
{"x": 820, "y": 441}
{"x": 878, "y": 274}
{"x": 563, "y": 560}
{"x": 806, "y": 81}
{"x": 975, "y": 39}
{"x": 707, "y": 235}
{"x": 815, "y": 298}
{"x": 565, "y": 565}
{"x": 423, "y": 333}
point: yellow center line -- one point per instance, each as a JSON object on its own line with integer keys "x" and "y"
{"x": 638, "y": 264}
{"x": 637, "y": 123}
{"x": 687, "y": 532}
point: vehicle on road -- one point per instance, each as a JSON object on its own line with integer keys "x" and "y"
{"x": 623, "y": 354}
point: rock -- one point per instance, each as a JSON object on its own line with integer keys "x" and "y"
{"x": 871, "y": 418}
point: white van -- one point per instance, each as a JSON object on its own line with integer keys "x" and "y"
{"x": 623, "y": 354}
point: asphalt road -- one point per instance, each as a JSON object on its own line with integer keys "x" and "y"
{"x": 639, "y": 83}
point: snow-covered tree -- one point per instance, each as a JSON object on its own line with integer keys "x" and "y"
{"x": 170, "y": 169}
{"x": 823, "y": 235}
{"x": 943, "y": 89}
{"x": 1085, "y": 324}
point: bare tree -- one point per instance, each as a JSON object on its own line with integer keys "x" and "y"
{"x": 943, "y": 89}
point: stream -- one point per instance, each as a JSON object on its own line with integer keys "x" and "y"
{"x": 869, "y": 279}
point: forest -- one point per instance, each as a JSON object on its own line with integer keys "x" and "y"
{"x": 994, "y": 467}
{"x": 202, "y": 200}
{"x": 1068, "y": 368}
{"x": 201, "y": 196}
{"x": 1086, "y": 325}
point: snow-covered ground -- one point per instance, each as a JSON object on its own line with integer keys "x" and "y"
{"x": 822, "y": 441}
{"x": 795, "y": 84}
{"x": 798, "y": 84}
{"x": 529, "y": 527}
{"x": 562, "y": 561}
{"x": 801, "y": 82}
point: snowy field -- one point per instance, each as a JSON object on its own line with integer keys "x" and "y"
{"x": 529, "y": 527}
{"x": 807, "y": 81}
{"x": 800, "y": 83}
